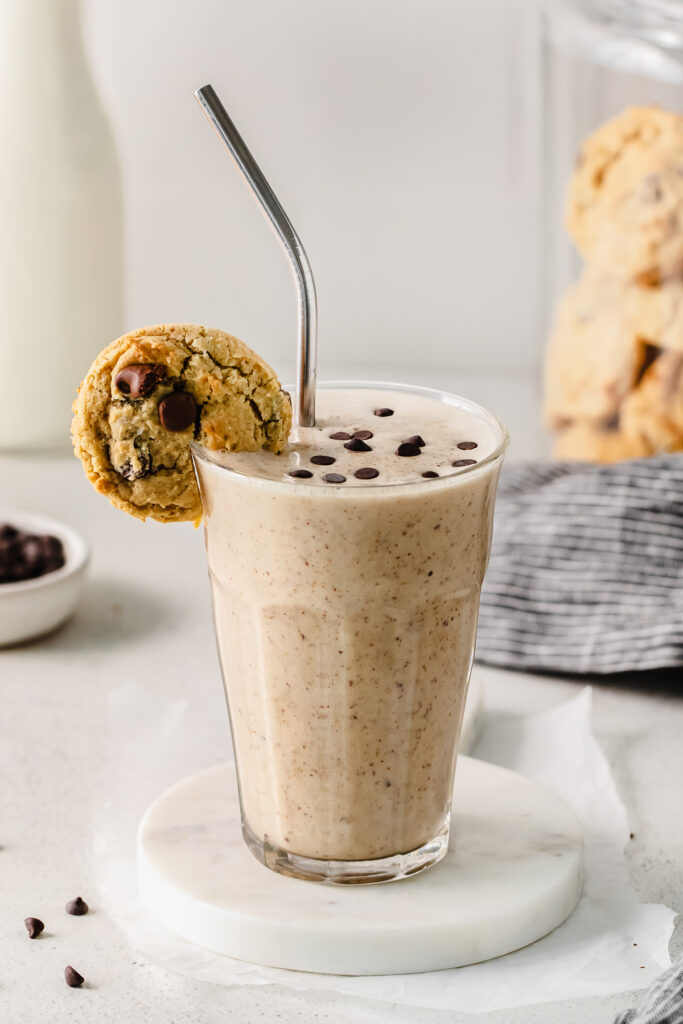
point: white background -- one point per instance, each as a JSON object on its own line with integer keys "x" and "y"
{"x": 401, "y": 137}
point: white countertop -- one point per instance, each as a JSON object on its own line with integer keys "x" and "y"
{"x": 146, "y": 617}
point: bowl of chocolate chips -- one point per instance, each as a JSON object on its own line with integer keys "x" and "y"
{"x": 42, "y": 569}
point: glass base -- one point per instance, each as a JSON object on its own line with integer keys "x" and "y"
{"x": 349, "y": 872}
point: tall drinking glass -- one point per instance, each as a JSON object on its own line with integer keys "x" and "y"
{"x": 346, "y": 592}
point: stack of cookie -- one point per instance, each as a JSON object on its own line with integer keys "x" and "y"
{"x": 614, "y": 362}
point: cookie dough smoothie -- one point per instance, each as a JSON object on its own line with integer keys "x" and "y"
{"x": 346, "y": 574}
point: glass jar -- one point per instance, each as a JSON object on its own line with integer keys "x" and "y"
{"x": 613, "y": 227}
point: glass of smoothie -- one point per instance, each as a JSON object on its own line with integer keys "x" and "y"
{"x": 346, "y": 575}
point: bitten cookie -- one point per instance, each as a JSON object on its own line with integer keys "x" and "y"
{"x": 625, "y": 199}
{"x": 151, "y": 393}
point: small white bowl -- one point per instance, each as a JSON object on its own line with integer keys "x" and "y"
{"x": 31, "y": 608}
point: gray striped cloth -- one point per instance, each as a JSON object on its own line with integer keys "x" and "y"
{"x": 661, "y": 1003}
{"x": 586, "y": 570}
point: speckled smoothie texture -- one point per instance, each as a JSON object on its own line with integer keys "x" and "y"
{"x": 346, "y": 615}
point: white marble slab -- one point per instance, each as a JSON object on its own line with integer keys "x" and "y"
{"x": 513, "y": 873}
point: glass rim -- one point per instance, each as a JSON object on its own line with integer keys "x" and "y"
{"x": 447, "y": 397}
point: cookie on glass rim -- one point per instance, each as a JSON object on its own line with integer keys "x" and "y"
{"x": 152, "y": 392}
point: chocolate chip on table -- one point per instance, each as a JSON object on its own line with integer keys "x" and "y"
{"x": 467, "y": 446}
{"x": 139, "y": 379}
{"x": 464, "y": 462}
{"x": 300, "y": 474}
{"x": 366, "y": 473}
{"x": 363, "y": 435}
{"x": 334, "y": 478}
{"x": 356, "y": 445}
{"x": 77, "y": 907}
{"x": 322, "y": 460}
{"x": 177, "y": 411}
{"x": 340, "y": 435}
{"x": 34, "y": 926}
{"x": 384, "y": 412}
{"x": 408, "y": 449}
{"x": 430, "y": 474}
{"x": 417, "y": 440}
{"x": 72, "y": 977}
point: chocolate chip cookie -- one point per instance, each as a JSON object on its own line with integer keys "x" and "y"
{"x": 151, "y": 393}
{"x": 625, "y": 199}
{"x": 652, "y": 415}
{"x": 586, "y": 442}
{"x": 593, "y": 353}
{"x": 607, "y": 332}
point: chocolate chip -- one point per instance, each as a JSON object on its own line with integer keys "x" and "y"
{"x": 334, "y": 478}
{"x": 356, "y": 445}
{"x": 464, "y": 462}
{"x": 367, "y": 473}
{"x": 25, "y": 556}
{"x": 384, "y": 412}
{"x": 408, "y": 449}
{"x": 363, "y": 435}
{"x": 73, "y": 978}
{"x": 651, "y": 278}
{"x": 131, "y": 471}
{"x": 649, "y": 354}
{"x": 340, "y": 435}
{"x": 322, "y": 460}
{"x": 467, "y": 446}
{"x": 128, "y": 472}
{"x": 34, "y": 926}
{"x": 301, "y": 474}
{"x": 52, "y": 548}
{"x": 77, "y": 907}
{"x": 139, "y": 379}
{"x": 177, "y": 411}
{"x": 651, "y": 189}
{"x": 416, "y": 439}
{"x": 33, "y": 551}
{"x": 430, "y": 474}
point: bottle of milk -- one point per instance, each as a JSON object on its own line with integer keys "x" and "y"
{"x": 60, "y": 221}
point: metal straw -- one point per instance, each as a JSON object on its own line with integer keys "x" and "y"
{"x": 308, "y": 304}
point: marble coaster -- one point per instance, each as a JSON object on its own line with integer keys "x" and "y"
{"x": 512, "y": 874}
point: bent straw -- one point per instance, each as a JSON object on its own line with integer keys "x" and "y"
{"x": 281, "y": 224}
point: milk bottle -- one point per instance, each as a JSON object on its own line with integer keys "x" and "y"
{"x": 60, "y": 221}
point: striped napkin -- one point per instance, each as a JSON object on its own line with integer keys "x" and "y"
{"x": 586, "y": 570}
{"x": 662, "y": 1002}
